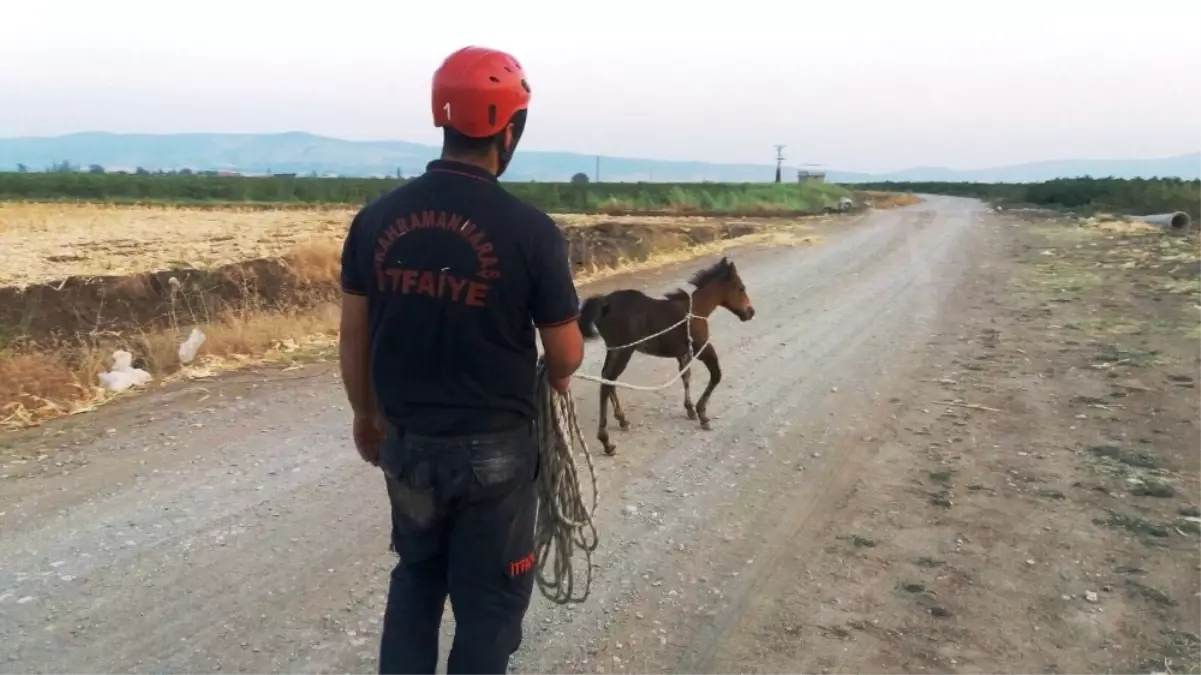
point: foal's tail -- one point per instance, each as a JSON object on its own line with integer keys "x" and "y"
{"x": 590, "y": 311}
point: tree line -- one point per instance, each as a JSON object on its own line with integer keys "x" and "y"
{"x": 187, "y": 186}
{"x": 575, "y": 196}
{"x": 1140, "y": 196}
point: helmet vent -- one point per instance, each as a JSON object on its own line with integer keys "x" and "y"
{"x": 508, "y": 69}
{"x": 525, "y": 86}
{"x": 491, "y": 115}
{"x": 495, "y": 79}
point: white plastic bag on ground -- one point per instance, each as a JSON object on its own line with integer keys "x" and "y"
{"x": 123, "y": 375}
{"x": 188, "y": 348}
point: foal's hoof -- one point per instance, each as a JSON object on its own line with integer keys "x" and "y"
{"x": 690, "y": 413}
{"x": 705, "y": 425}
{"x": 624, "y": 424}
{"x": 610, "y": 449}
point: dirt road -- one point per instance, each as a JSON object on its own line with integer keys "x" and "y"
{"x": 839, "y": 516}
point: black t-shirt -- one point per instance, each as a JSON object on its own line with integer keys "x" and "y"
{"x": 457, "y": 273}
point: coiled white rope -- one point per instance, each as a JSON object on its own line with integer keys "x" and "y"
{"x": 564, "y": 521}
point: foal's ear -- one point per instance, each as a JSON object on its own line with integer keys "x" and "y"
{"x": 729, "y": 265}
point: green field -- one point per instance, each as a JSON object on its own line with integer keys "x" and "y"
{"x": 747, "y": 198}
{"x": 1139, "y": 196}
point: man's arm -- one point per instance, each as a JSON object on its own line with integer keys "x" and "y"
{"x": 354, "y": 337}
{"x": 564, "y": 349}
{"x": 354, "y": 347}
{"x": 354, "y": 350}
{"x": 556, "y": 307}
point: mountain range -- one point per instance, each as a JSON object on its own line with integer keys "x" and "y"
{"x": 305, "y": 153}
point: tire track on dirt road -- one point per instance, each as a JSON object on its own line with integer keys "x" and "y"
{"x": 914, "y": 260}
{"x": 229, "y": 525}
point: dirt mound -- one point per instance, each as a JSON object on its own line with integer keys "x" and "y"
{"x": 96, "y": 306}
{"x": 610, "y": 244}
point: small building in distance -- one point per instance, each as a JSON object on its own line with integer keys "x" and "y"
{"x": 804, "y": 176}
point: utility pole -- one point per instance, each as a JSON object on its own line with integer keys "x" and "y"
{"x": 779, "y": 161}
{"x": 596, "y": 175}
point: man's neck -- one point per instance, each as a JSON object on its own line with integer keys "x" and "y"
{"x": 487, "y": 163}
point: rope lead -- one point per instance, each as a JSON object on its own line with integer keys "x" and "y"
{"x": 564, "y": 521}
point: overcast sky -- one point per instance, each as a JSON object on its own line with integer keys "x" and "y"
{"x": 867, "y": 86}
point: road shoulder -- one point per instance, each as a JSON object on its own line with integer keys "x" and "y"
{"x": 1032, "y": 507}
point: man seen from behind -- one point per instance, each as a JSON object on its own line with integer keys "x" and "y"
{"x": 445, "y": 281}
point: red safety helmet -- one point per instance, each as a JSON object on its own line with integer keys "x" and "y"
{"x": 479, "y": 91}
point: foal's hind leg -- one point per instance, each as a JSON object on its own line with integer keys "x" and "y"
{"x": 709, "y": 358}
{"x": 617, "y": 412}
{"x": 615, "y": 363}
{"x": 602, "y": 433}
{"x": 686, "y": 378}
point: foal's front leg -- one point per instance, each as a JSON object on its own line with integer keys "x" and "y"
{"x": 709, "y": 358}
{"x": 686, "y": 378}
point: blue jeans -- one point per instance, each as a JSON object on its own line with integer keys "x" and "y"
{"x": 463, "y": 511}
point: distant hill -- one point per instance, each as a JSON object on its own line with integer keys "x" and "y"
{"x": 304, "y": 153}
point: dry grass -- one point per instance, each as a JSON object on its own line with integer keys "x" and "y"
{"x": 1120, "y": 251}
{"x": 589, "y": 219}
{"x": 887, "y": 200}
{"x": 44, "y": 383}
{"x": 791, "y": 236}
{"x": 1111, "y": 224}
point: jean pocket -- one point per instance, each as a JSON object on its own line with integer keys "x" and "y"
{"x": 502, "y": 462}
{"x": 492, "y": 471}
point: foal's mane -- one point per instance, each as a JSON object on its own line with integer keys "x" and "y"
{"x": 703, "y": 277}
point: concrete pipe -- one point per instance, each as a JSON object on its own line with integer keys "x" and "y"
{"x": 1171, "y": 222}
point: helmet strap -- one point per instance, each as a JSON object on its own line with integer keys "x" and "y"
{"x": 505, "y": 154}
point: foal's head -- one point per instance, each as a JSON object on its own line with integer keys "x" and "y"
{"x": 720, "y": 282}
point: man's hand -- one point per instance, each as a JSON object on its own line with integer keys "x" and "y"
{"x": 560, "y": 384}
{"x": 369, "y": 433}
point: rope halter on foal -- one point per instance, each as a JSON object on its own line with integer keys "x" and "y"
{"x": 692, "y": 353}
